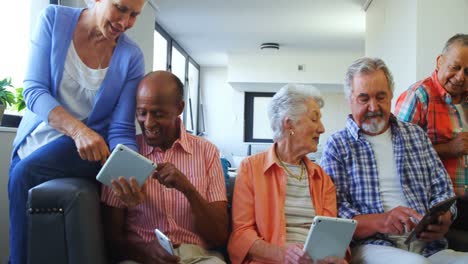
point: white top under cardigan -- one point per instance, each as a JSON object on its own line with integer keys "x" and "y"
{"x": 76, "y": 94}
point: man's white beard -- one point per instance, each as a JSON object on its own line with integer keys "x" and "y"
{"x": 374, "y": 126}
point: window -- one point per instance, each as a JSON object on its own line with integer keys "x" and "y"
{"x": 169, "y": 55}
{"x": 15, "y": 44}
{"x": 191, "y": 104}
{"x": 257, "y": 126}
{"x": 178, "y": 61}
{"x": 159, "y": 52}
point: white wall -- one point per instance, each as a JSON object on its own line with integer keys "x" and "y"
{"x": 223, "y": 109}
{"x": 334, "y": 113}
{"x": 281, "y": 67}
{"x": 437, "y": 22}
{"x": 224, "y": 112}
{"x": 6, "y": 139}
{"x": 390, "y": 35}
{"x": 409, "y": 34}
{"x": 142, "y": 33}
{"x": 223, "y": 89}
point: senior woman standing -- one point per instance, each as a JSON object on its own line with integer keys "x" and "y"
{"x": 79, "y": 89}
{"x": 278, "y": 192}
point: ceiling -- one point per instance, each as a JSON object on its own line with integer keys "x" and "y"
{"x": 209, "y": 30}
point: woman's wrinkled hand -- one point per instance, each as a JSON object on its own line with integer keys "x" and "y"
{"x": 90, "y": 145}
{"x": 294, "y": 254}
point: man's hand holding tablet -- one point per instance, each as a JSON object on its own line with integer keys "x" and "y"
{"x": 126, "y": 172}
{"x": 436, "y": 221}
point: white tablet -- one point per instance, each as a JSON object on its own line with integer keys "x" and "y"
{"x": 329, "y": 236}
{"x": 127, "y": 163}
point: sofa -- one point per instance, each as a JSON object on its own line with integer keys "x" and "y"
{"x": 65, "y": 223}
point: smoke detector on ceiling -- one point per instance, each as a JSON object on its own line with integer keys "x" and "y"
{"x": 269, "y": 46}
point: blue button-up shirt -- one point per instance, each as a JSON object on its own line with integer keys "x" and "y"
{"x": 349, "y": 159}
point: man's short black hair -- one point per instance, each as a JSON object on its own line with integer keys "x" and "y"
{"x": 178, "y": 83}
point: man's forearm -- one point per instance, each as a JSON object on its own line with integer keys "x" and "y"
{"x": 211, "y": 219}
{"x": 368, "y": 225}
{"x": 446, "y": 151}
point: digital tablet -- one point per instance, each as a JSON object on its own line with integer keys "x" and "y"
{"x": 430, "y": 218}
{"x": 127, "y": 163}
{"x": 329, "y": 236}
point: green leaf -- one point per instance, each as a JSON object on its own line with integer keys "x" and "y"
{"x": 20, "y": 103}
{"x": 7, "y": 98}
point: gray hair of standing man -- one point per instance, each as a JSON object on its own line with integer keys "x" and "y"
{"x": 461, "y": 39}
{"x": 366, "y": 65}
{"x": 290, "y": 102}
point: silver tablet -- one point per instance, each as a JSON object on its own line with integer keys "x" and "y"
{"x": 329, "y": 236}
{"x": 127, "y": 163}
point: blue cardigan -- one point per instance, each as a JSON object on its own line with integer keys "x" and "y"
{"x": 113, "y": 112}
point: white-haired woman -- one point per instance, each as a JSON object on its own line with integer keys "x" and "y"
{"x": 79, "y": 88}
{"x": 279, "y": 191}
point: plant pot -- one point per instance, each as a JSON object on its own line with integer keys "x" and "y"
{"x": 11, "y": 120}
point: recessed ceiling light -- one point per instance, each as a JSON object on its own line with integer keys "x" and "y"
{"x": 270, "y": 45}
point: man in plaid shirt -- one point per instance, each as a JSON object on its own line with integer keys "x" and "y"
{"x": 387, "y": 175}
{"x": 438, "y": 104}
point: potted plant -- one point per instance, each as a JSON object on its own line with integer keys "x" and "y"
{"x": 7, "y": 98}
{"x": 19, "y": 104}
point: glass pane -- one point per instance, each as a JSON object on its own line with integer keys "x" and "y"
{"x": 261, "y": 123}
{"x": 14, "y": 48}
{"x": 178, "y": 68}
{"x": 72, "y": 3}
{"x": 159, "y": 52}
{"x": 192, "y": 97}
{"x": 178, "y": 64}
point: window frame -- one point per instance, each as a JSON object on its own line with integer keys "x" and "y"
{"x": 176, "y": 46}
{"x": 165, "y": 35}
{"x": 171, "y": 43}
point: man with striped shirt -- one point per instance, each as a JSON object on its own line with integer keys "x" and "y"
{"x": 186, "y": 196}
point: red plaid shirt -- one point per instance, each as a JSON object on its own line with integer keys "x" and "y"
{"x": 427, "y": 104}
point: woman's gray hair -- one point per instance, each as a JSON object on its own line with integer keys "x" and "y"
{"x": 290, "y": 102}
{"x": 366, "y": 65}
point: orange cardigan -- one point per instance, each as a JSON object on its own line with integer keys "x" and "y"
{"x": 259, "y": 198}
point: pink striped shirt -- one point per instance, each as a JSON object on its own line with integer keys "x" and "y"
{"x": 168, "y": 209}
